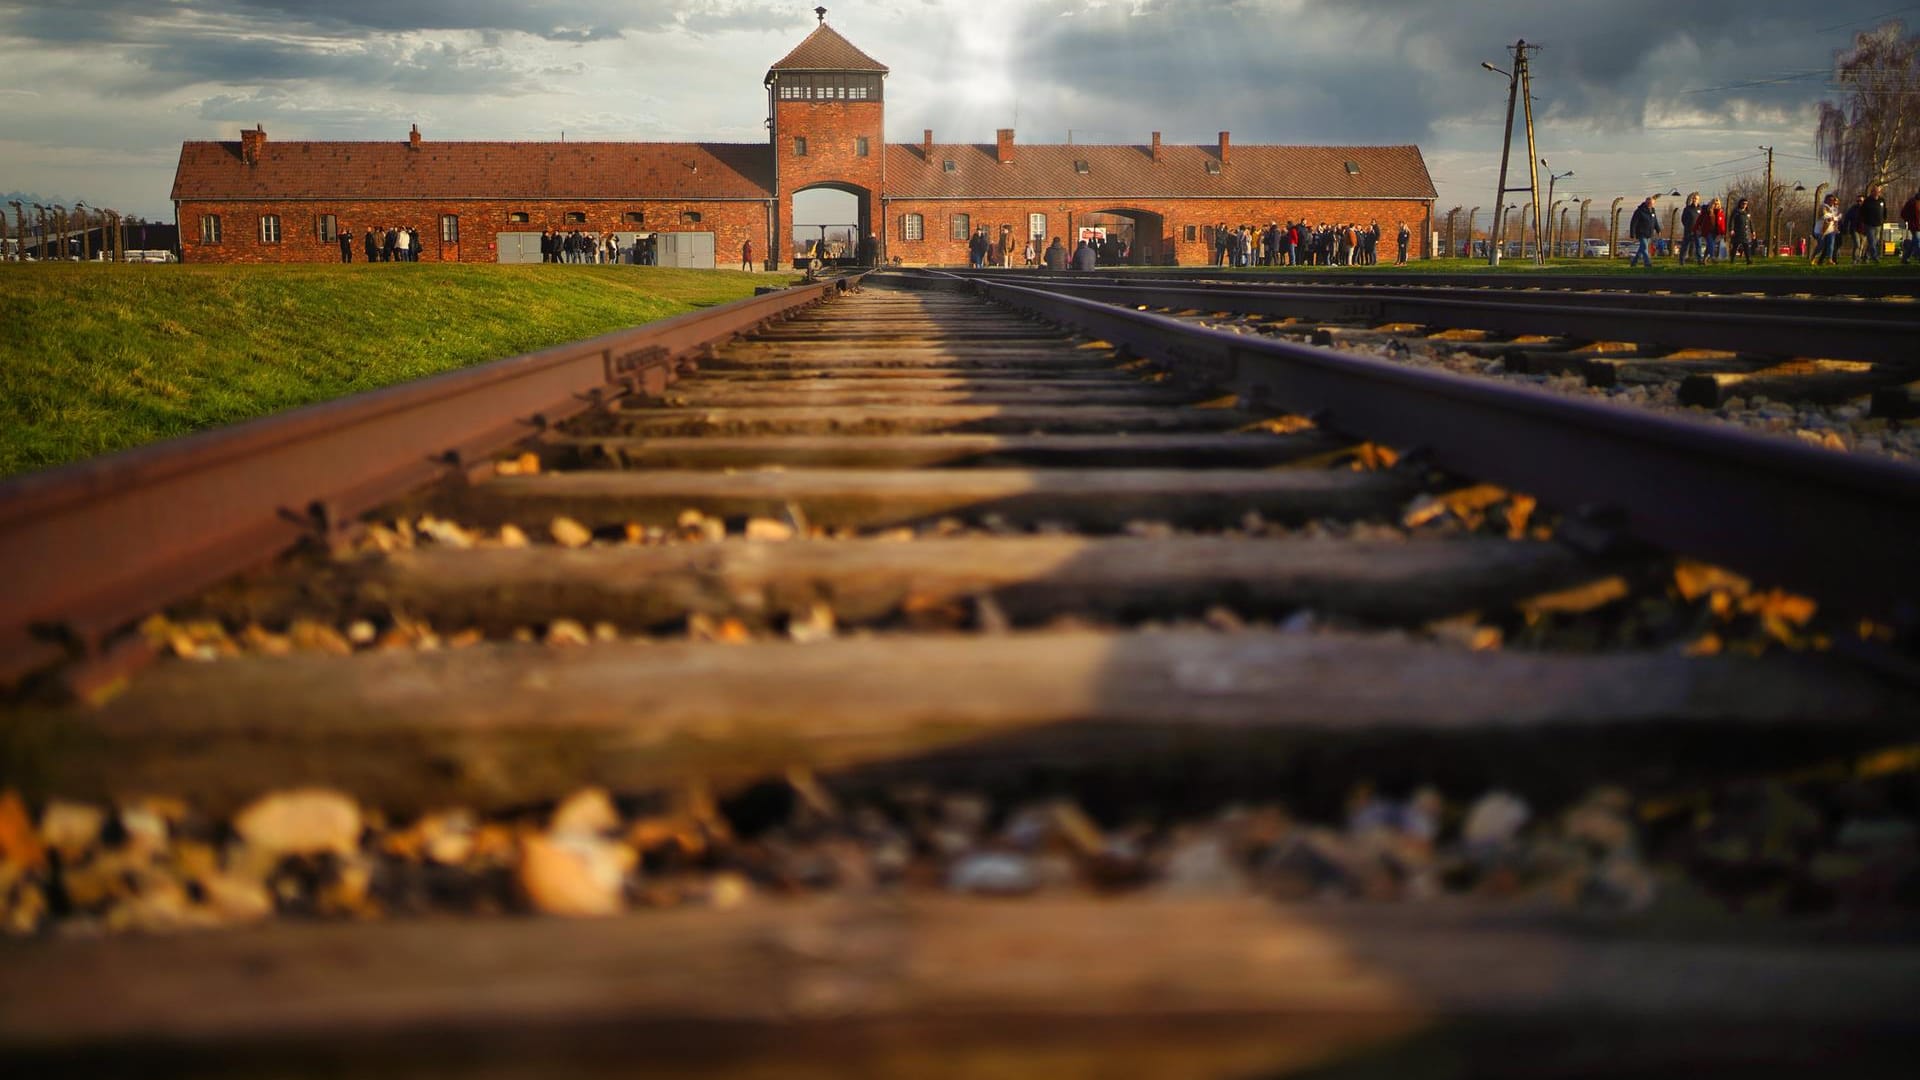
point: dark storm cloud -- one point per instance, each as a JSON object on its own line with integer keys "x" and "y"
{"x": 1392, "y": 70}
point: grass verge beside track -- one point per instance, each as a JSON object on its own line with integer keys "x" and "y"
{"x": 101, "y": 358}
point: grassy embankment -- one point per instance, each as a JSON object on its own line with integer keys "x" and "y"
{"x": 100, "y": 358}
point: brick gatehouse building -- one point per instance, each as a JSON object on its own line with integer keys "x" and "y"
{"x": 258, "y": 201}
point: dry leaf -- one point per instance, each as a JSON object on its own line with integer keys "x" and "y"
{"x": 569, "y": 533}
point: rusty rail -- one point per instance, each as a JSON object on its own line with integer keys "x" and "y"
{"x": 1764, "y": 506}
{"x": 1809, "y": 284}
{"x": 92, "y": 546}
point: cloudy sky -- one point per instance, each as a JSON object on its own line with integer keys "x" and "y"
{"x": 1632, "y": 95}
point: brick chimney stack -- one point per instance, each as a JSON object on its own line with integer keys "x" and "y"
{"x": 413, "y": 137}
{"x": 1003, "y": 146}
{"x": 926, "y": 146}
{"x": 1156, "y": 148}
{"x": 1226, "y": 144}
{"x": 251, "y": 143}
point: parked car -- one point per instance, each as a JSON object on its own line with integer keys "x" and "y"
{"x": 1591, "y": 248}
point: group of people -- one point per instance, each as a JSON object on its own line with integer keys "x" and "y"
{"x": 1863, "y": 224}
{"x": 395, "y": 243}
{"x": 1712, "y": 232}
{"x": 594, "y": 248}
{"x": 1301, "y": 243}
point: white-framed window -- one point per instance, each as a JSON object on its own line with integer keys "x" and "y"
{"x": 960, "y": 227}
{"x": 913, "y": 227}
{"x": 327, "y": 227}
{"x": 449, "y": 229}
{"x": 1037, "y": 226}
{"x": 269, "y": 228}
{"x": 210, "y": 228}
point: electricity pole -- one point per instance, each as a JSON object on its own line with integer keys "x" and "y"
{"x": 1519, "y": 83}
{"x": 1769, "y": 151}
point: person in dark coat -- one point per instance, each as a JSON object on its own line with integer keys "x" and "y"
{"x": 1644, "y": 226}
{"x": 1690, "y": 231}
{"x": 1056, "y": 256}
{"x": 1873, "y": 214}
{"x": 1084, "y": 258}
{"x": 373, "y": 246}
{"x": 1740, "y": 229}
{"x": 345, "y": 237}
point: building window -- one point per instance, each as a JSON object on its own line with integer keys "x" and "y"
{"x": 328, "y": 228}
{"x": 210, "y": 229}
{"x": 1037, "y": 225}
{"x": 799, "y": 146}
{"x": 689, "y": 217}
{"x": 269, "y": 228}
{"x": 635, "y": 217}
{"x": 860, "y": 146}
{"x": 517, "y": 217}
{"x": 1213, "y": 168}
{"x": 960, "y": 227}
{"x": 913, "y": 227}
{"x": 449, "y": 229}
{"x": 950, "y": 166}
{"x": 1080, "y": 166}
{"x": 576, "y": 217}
{"x": 828, "y": 86}
{"x": 1193, "y": 233}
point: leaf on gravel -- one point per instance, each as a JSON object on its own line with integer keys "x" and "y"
{"x": 1696, "y": 579}
{"x": 313, "y": 821}
{"x": 1579, "y": 599}
{"x": 569, "y": 533}
{"x": 19, "y": 844}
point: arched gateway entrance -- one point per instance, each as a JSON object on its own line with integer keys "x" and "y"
{"x": 1140, "y": 234}
{"x": 834, "y": 220}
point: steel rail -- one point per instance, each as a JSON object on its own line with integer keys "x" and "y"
{"x": 1906, "y": 315}
{"x": 1838, "y": 527}
{"x": 92, "y": 546}
{"x": 1560, "y": 316}
{"x": 1871, "y": 286}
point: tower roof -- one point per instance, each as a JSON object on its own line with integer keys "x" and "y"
{"x": 826, "y": 50}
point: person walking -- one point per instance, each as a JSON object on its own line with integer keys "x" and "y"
{"x": 1028, "y": 254}
{"x": 1826, "y": 233}
{"x": 1713, "y": 230}
{"x": 1690, "y": 230}
{"x": 1740, "y": 229}
{"x": 345, "y": 236}
{"x": 1644, "y": 226}
{"x": 1873, "y": 215}
{"x": 746, "y": 256}
{"x": 1856, "y": 230}
{"x": 1910, "y": 217}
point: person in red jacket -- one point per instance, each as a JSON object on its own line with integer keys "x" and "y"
{"x": 1713, "y": 230}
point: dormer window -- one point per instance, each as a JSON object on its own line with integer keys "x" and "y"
{"x": 950, "y": 166}
{"x": 1353, "y": 168}
{"x": 1213, "y": 168}
{"x": 1080, "y": 166}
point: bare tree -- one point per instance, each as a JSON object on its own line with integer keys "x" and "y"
{"x": 1873, "y": 136}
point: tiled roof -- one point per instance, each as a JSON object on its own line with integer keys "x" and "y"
{"x": 826, "y": 50}
{"x": 476, "y": 170}
{"x": 1119, "y": 172}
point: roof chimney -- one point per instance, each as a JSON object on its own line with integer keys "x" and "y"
{"x": 1226, "y": 144}
{"x": 250, "y": 144}
{"x": 926, "y": 146}
{"x": 1003, "y": 146}
{"x": 413, "y": 137}
{"x": 1156, "y": 147}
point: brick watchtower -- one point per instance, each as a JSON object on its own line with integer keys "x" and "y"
{"x": 826, "y": 109}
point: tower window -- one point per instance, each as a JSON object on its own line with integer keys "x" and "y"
{"x": 860, "y": 146}
{"x": 913, "y": 227}
{"x": 799, "y": 146}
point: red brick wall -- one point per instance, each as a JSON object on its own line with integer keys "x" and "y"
{"x": 732, "y": 223}
{"x": 831, "y": 129}
{"x": 939, "y": 250}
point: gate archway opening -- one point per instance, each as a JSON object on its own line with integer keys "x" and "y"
{"x": 830, "y": 222}
{"x": 1130, "y": 237}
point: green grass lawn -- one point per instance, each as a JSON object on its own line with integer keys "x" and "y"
{"x": 100, "y": 358}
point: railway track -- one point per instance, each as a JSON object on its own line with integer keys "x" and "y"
{"x": 899, "y": 539}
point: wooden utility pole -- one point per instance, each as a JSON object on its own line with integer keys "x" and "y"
{"x": 1518, "y": 83}
{"x": 1770, "y": 249}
